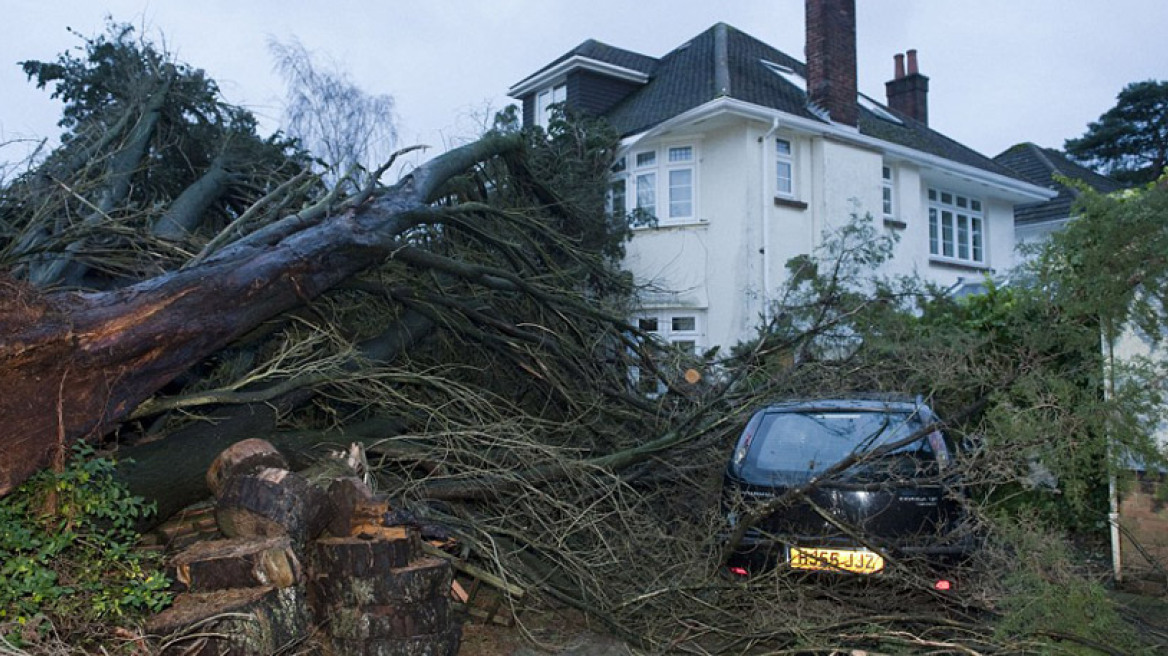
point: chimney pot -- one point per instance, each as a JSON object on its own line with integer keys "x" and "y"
{"x": 898, "y": 69}
{"x": 909, "y": 94}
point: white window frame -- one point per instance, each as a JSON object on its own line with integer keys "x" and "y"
{"x": 668, "y": 326}
{"x": 619, "y": 180}
{"x": 957, "y": 227}
{"x": 888, "y": 190}
{"x": 677, "y": 326}
{"x": 680, "y": 209}
{"x": 661, "y": 181}
{"x": 646, "y": 169}
{"x": 545, "y": 98}
{"x": 784, "y": 162}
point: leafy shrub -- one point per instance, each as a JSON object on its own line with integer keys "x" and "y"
{"x": 1047, "y": 597}
{"x": 67, "y": 548}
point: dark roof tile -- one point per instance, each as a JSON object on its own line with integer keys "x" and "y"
{"x": 684, "y": 79}
{"x": 603, "y": 52}
{"x": 1039, "y": 166}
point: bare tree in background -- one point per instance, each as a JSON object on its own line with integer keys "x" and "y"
{"x": 348, "y": 129}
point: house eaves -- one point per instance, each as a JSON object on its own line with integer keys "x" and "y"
{"x": 1011, "y": 188}
{"x": 577, "y": 62}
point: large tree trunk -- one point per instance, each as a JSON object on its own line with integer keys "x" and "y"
{"x": 73, "y": 365}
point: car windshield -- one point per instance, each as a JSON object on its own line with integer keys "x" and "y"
{"x": 792, "y": 447}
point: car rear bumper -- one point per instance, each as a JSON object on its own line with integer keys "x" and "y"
{"x": 758, "y": 552}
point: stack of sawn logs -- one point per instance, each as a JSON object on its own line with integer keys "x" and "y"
{"x": 306, "y": 557}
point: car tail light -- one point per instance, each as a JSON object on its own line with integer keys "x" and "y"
{"x": 739, "y": 571}
{"x": 944, "y": 585}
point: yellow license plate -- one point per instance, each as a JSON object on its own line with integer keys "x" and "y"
{"x": 847, "y": 560}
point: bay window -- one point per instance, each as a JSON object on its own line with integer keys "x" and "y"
{"x": 662, "y": 181}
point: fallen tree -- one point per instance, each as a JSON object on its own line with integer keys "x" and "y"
{"x": 76, "y": 364}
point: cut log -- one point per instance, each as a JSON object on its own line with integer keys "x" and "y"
{"x": 238, "y": 563}
{"x": 378, "y": 622}
{"x": 360, "y": 558}
{"x": 245, "y": 457}
{"x": 272, "y": 502}
{"x": 437, "y": 644}
{"x": 243, "y": 622}
{"x": 415, "y": 583}
{"x": 354, "y": 505}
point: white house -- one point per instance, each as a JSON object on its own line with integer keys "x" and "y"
{"x": 746, "y": 156}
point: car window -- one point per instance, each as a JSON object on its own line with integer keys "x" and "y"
{"x": 794, "y": 446}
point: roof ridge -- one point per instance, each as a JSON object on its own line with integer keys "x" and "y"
{"x": 721, "y": 61}
{"x": 1044, "y": 157}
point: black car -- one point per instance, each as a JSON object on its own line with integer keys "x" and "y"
{"x": 859, "y": 479}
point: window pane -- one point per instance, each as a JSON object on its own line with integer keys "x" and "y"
{"x": 962, "y": 236}
{"x": 684, "y": 324}
{"x": 647, "y": 159}
{"x": 542, "y": 102}
{"x": 686, "y": 346}
{"x": 783, "y": 180}
{"x": 681, "y": 192}
{"x": 616, "y": 196}
{"x": 618, "y": 165}
{"x": 782, "y": 146}
{"x": 932, "y": 194}
{"x": 978, "y": 255}
{"x": 975, "y": 205}
{"x": 560, "y": 94}
{"x": 947, "y": 234}
{"x": 648, "y": 324}
{"x": 946, "y": 198}
{"x": 933, "y": 246}
{"x": 887, "y": 201}
{"x": 647, "y": 192}
{"x": 681, "y": 154}
{"x": 962, "y": 201}
{"x": 886, "y": 173}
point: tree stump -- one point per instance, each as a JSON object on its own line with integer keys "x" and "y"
{"x": 272, "y": 502}
{"x": 238, "y": 563}
{"x": 381, "y": 622}
{"x": 435, "y": 644}
{"x": 422, "y": 579}
{"x": 242, "y": 622}
{"x": 245, "y": 457}
{"x": 381, "y": 597}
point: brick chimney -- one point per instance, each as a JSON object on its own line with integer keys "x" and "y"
{"x": 908, "y": 93}
{"x": 831, "y": 58}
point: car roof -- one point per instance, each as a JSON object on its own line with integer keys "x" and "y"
{"x": 852, "y": 404}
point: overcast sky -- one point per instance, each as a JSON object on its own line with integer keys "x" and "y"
{"x": 1001, "y": 71}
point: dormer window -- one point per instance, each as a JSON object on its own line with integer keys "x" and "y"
{"x": 544, "y": 101}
